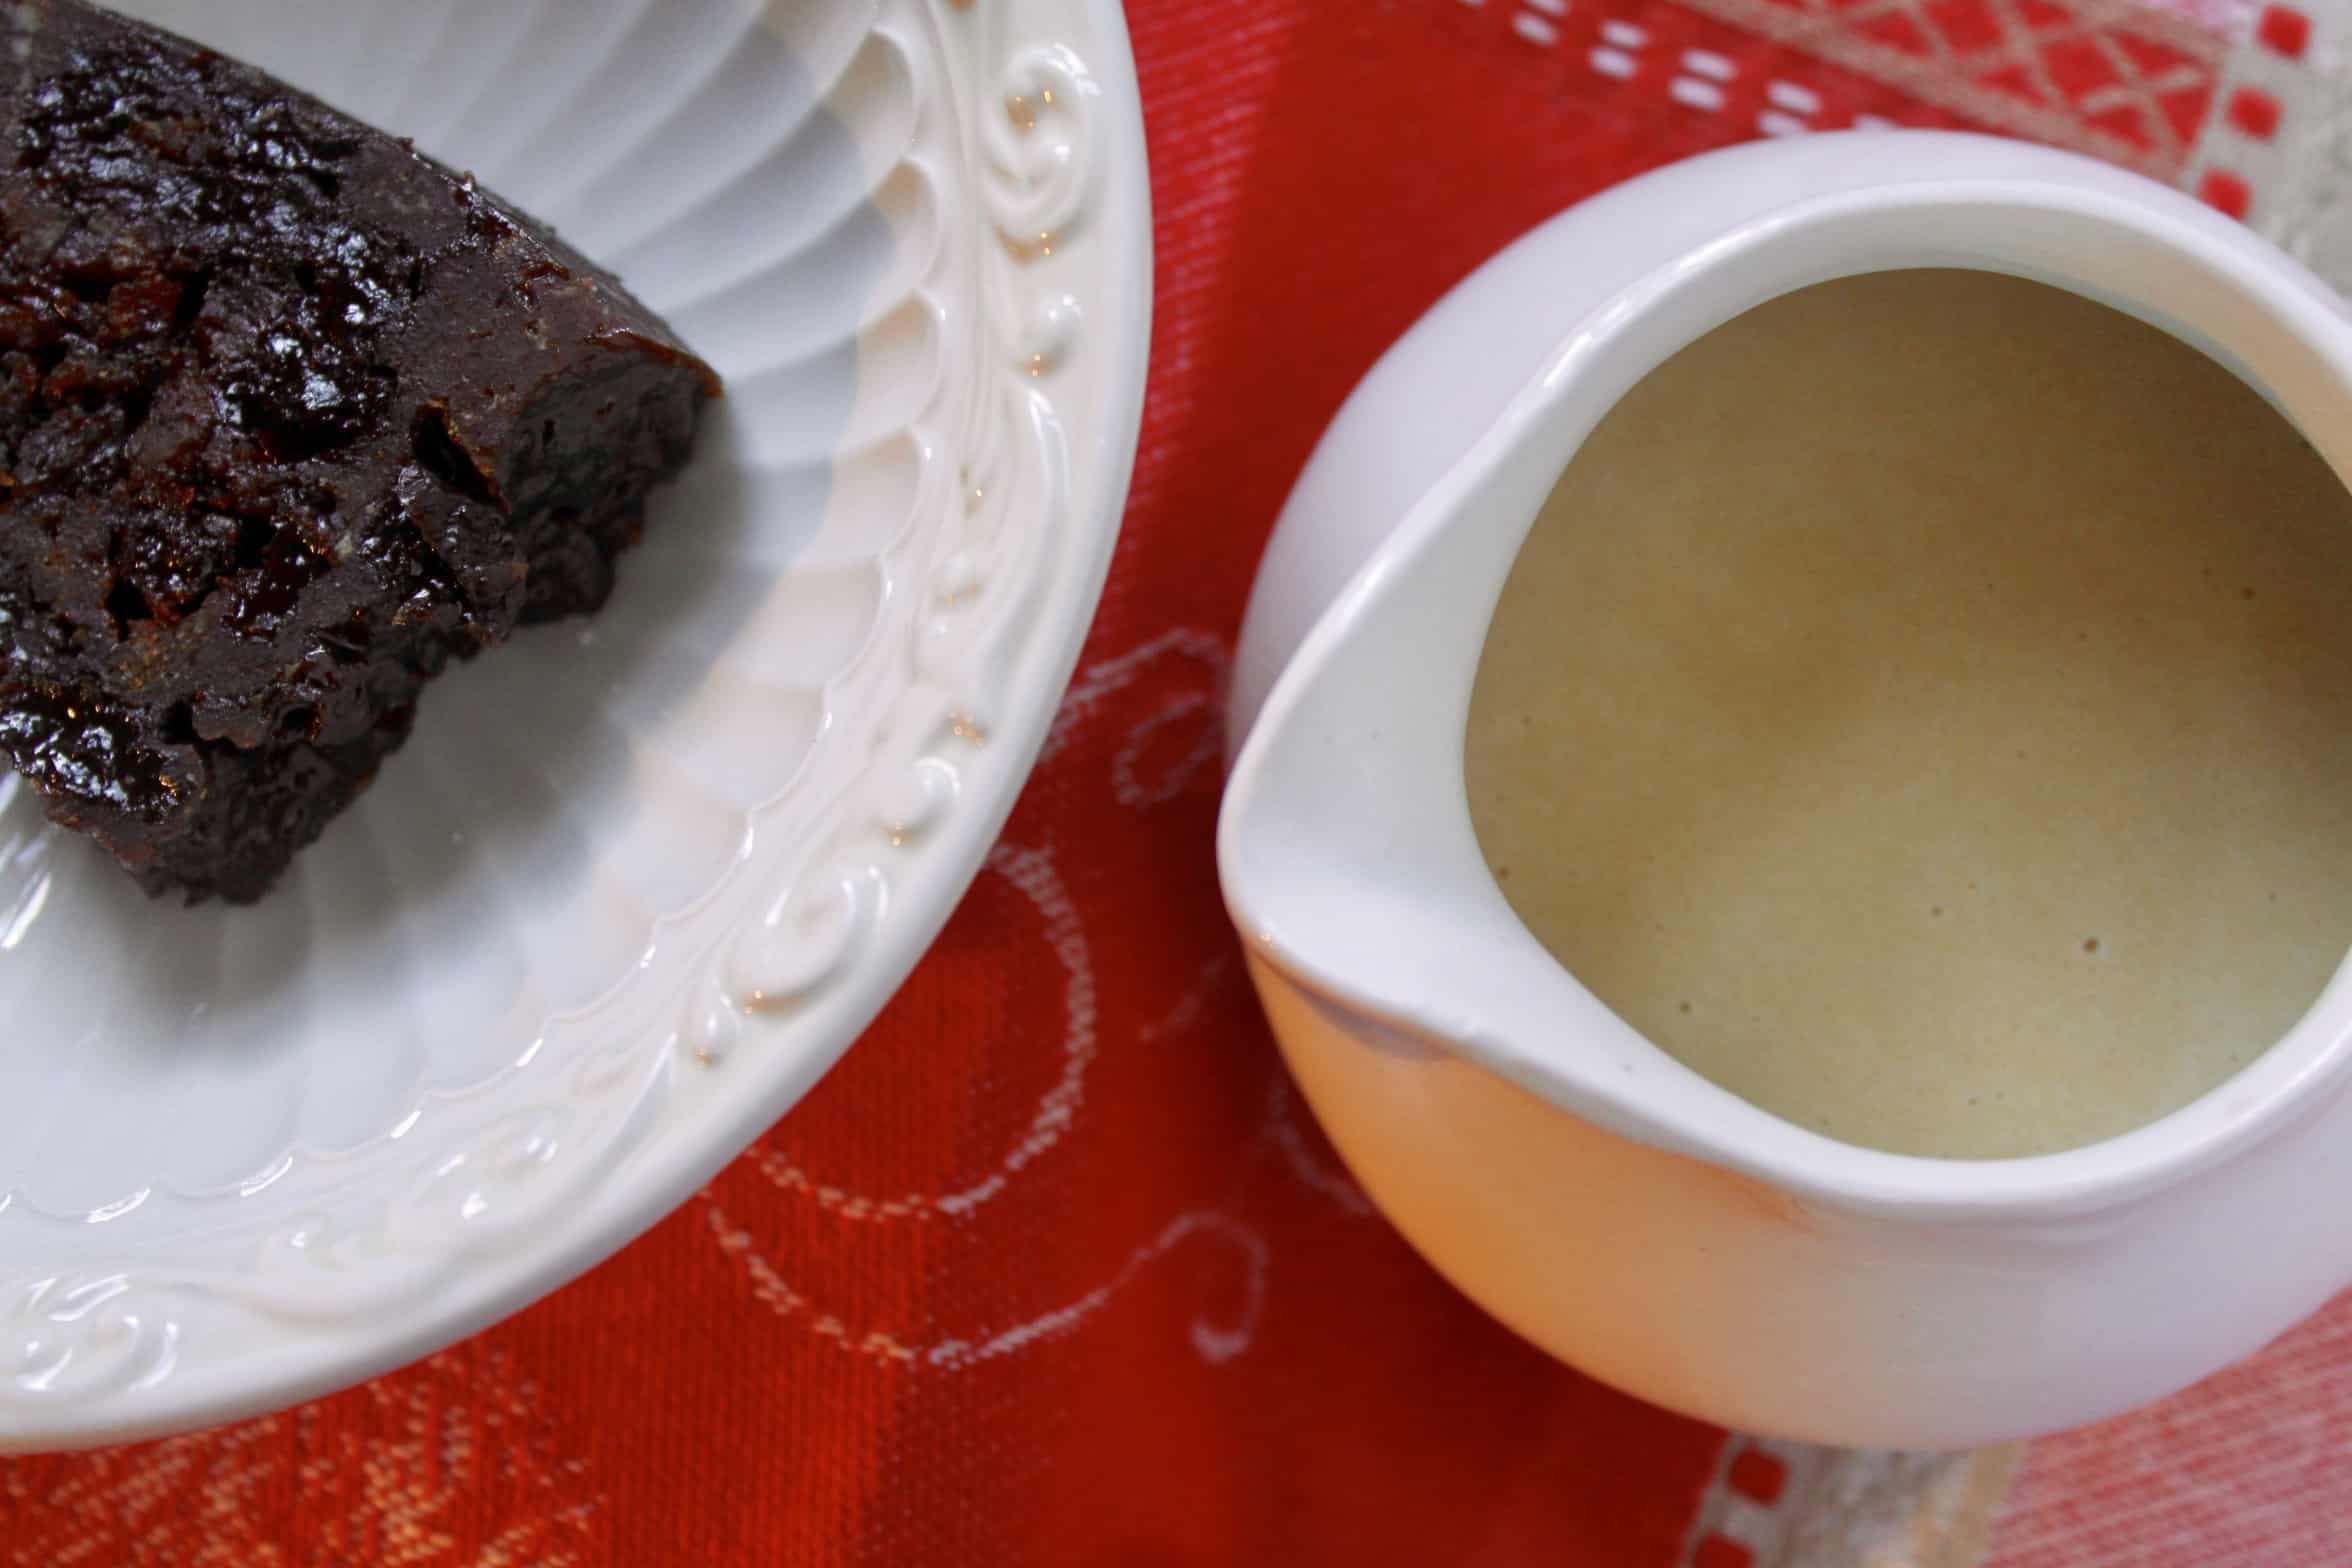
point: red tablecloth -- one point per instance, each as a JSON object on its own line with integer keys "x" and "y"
{"x": 1069, "y": 1145}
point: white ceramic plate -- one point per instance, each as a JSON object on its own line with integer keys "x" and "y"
{"x": 637, "y": 881}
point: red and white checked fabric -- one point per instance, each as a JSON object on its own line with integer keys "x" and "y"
{"x": 1055, "y": 1268}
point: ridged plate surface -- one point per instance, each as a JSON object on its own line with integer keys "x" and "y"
{"x": 638, "y": 880}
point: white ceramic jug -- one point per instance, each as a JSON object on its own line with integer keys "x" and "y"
{"x": 1608, "y": 1203}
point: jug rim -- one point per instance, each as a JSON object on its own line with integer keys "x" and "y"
{"x": 2263, "y": 290}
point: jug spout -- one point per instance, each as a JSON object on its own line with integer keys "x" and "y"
{"x": 1346, "y": 850}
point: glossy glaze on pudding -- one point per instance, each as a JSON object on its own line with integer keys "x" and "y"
{"x": 292, "y": 416}
{"x": 1924, "y": 707}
